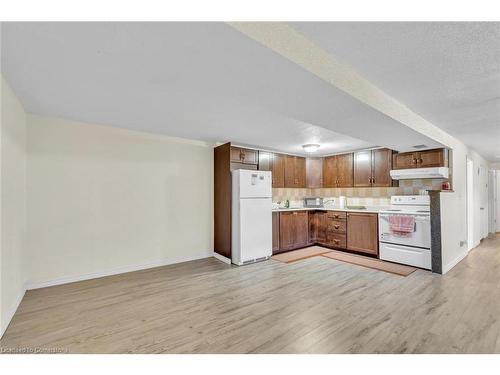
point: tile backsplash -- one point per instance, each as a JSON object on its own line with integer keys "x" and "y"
{"x": 359, "y": 196}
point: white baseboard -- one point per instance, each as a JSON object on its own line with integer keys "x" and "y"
{"x": 455, "y": 261}
{"x": 10, "y": 313}
{"x": 71, "y": 279}
{"x": 222, "y": 258}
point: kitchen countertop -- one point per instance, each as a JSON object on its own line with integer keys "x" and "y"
{"x": 370, "y": 209}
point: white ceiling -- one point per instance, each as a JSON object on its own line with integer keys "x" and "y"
{"x": 449, "y": 73}
{"x": 203, "y": 81}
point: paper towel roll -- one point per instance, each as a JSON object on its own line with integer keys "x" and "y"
{"x": 342, "y": 202}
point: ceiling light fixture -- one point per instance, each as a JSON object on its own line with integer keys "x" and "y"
{"x": 312, "y": 147}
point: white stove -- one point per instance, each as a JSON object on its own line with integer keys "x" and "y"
{"x": 409, "y": 204}
{"x": 410, "y": 244}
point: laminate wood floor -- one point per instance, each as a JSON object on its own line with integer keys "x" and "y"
{"x": 317, "y": 305}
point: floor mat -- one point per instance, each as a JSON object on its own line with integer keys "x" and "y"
{"x": 377, "y": 264}
{"x": 296, "y": 255}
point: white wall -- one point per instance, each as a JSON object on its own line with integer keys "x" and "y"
{"x": 102, "y": 200}
{"x": 454, "y": 205}
{"x": 12, "y": 201}
{"x": 498, "y": 201}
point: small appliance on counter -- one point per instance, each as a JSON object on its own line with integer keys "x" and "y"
{"x": 314, "y": 202}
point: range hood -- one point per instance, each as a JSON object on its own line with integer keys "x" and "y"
{"x": 415, "y": 173}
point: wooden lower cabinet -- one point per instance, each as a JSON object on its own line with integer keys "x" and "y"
{"x": 335, "y": 229}
{"x": 313, "y": 227}
{"x": 362, "y": 232}
{"x": 294, "y": 230}
{"x": 317, "y": 227}
{"x": 336, "y": 240}
{"x": 276, "y": 232}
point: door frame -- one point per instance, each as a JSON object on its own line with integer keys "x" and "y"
{"x": 492, "y": 201}
{"x": 470, "y": 202}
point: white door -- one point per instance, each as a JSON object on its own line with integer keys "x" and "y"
{"x": 255, "y": 184}
{"x": 255, "y": 228}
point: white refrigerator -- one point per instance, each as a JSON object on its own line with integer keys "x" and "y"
{"x": 251, "y": 232}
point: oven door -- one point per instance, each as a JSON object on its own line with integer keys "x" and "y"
{"x": 420, "y": 237}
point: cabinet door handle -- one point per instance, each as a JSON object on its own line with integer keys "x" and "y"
{"x": 420, "y": 161}
{"x": 336, "y": 226}
{"x": 336, "y": 241}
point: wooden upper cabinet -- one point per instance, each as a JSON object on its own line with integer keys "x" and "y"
{"x": 289, "y": 162}
{"x": 422, "y": 159}
{"x": 432, "y": 158}
{"x": 362, "y": 232}
{"x": 269, "y": 161}
{"x": 295, "y": 171}
{"x": 278, "y": 170}
{"x": 381, "y": 167}
{"x": 363, "y": 168}
{"x": 372, "y": 168}
{"x": 345, "y": 166}
{"x": 300, "y": 172}
{"x": 330, "y": 172}
{"x": 244, "y": 155}
{"x": 338, "y": 171}
{"x": 404, "y": 160}
{"x": 265, "y": 160}
{"x": 314, "y": 173}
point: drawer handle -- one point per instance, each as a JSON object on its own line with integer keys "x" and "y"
{"x": 336, "y": 241}
{"x": 336, "y": 226}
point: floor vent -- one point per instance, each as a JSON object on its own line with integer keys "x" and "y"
{"x": 255, "y": 260}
